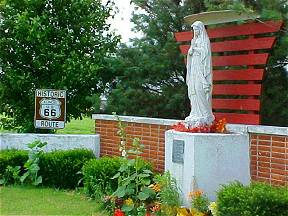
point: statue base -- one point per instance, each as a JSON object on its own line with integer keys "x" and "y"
{"x": 192, "y": 122}
{"x": 205, "y": 161}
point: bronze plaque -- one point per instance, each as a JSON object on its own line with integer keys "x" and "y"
{"x": 178, "y": 151}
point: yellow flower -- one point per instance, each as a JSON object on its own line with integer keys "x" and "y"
{"x": 182, "y": 212}
{"x": 128, "y": 201}
{"x": 194, "y": 212}
{"x": 155, "y": 187}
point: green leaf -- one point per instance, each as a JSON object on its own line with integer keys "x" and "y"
{"x": 127, "y": 208}
{"x": 38, "y": 181}
{"x": 143, "y": 175}
{"x": 130, "y": 191}
{"x": 2, "y": 182}
{"x": 24, "y": 176}
{"x": 131, "y": 162}
{"x": 120, "y": 192}
{"x": 123, "y": 167}
{"x": 143, "y": 195}
{"x": 34, "y": 168}
{"x": 146, "y": 181}
{"x": 116, "y": 175}
{"x": 147, "y": 171}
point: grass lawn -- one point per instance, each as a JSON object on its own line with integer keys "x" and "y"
{"x": 84, "y": 126}
{"x": 25, "y": 200}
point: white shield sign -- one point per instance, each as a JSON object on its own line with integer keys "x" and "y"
{"x": 50, "y": 108}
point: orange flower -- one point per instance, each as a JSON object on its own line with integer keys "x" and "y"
{"x": 156, "y": 207}
{"x": 195, "y": 194}
{"x": 219, "y": 126}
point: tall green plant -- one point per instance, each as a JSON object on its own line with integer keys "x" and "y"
{"x": 32, "y": 164}
{"x": 169, "y": 196}
{"x": 122, "y": 134}
{"x": 134, "y": 176}
{"x": 133, "y": 180}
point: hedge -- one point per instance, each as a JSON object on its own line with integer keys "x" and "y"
{"x": 97, "y": 175}
{"x": 12, "y": 157}
{"x": 61, "y": 169}
{"x": 256, "y": 199}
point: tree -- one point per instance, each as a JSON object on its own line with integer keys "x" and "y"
{"x": 151, "y": 72}
{"x": 51, "y": 44}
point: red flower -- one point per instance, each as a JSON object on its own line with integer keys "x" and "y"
{"x": 217, "y": 127}
{"x": 180, "y": 127}
{"x": 118, "y": 212}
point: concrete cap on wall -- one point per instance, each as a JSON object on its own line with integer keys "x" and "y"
{"x": 237, "y": 128}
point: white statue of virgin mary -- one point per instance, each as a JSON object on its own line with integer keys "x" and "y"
{"x": 199, "y": 78}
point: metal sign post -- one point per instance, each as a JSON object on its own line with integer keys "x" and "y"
{"x": 50, "y": 109}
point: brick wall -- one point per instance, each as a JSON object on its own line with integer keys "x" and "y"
{"x": 269, "y": 153}
{"x": 151, "y": 135}
{"x": 269, "y": 158}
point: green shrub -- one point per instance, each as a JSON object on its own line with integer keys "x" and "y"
{"x": 257, "y": 199}
{"x": 61, "y": 169}
{"x": 98, "y": 173}
{"x": 11, "y": 175}
{"x": 12, "y": 157}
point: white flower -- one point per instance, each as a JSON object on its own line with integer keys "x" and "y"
{"x": 124, "y": 153}
{"x": 213, "y": 208}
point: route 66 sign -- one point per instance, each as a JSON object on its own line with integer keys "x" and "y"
{"x": 50, "y": 108}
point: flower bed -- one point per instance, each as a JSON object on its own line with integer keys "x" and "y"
{"x": 218, "y": 126}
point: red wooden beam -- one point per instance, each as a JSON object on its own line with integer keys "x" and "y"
{"x": 240, "y": 60}
{"x": 237, "y": 89}
{"x": 236, "y": 104}
{"x": 231, "y": 31}
{"x": 247, "y": 74}
{"x": 245, "y": 29}
{"x": 236, "y": 118}
{"x": 237, "y": 45}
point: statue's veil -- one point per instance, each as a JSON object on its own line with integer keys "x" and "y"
{"x": 206, "y": 55}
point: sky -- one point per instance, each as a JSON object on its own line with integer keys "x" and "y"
{"x": 121, "y": 22}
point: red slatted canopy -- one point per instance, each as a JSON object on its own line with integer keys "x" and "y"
{"x": 241, "y": 103}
